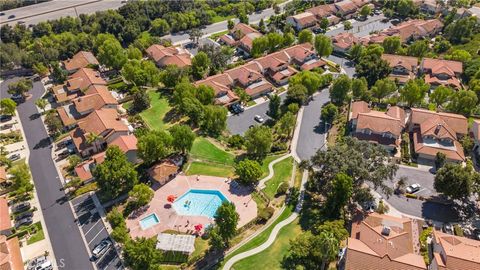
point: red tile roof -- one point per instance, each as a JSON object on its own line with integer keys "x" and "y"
{"x": 5, "y": 222}
{"x": 459, "y": 252}
{"x": 3, "y": 174}
{"x": 164, "y": 56}
{"x": 438, "y": 66}
{"x": 126, "y": 142}
{"x": 456, "y": 122}
{"x": 323, "y": 10}
{"x": 162, "y": 170}
{"x": 10, "y": 254}
{"x": 80, "y": 60}
{"x": 84, "y": 78}
{"x": 305, "y": 19}
{"x": 344, "y": 40}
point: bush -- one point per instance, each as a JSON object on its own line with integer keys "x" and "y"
{"x": 457, "y": 230}
{"x": 115, "y": 217}
{"x": 411, "y": 196}
{"x": 265, "y": 214}
{"x": 279, "y": 146}
{"x": 236, "y": 141}
{"x": 282, "y": 189}
{"x": 424, "y": 245}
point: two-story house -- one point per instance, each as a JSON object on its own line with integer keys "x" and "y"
{"x": 383, "y": 128}
{"x": 442, "y": 72}
{"x": 82, "y": 59}
{"x": 302, "y": 20}
{"x": 451, "y": 252}
{"x": 346, "y": 9}
{"x": 164, "y": 56}
{"x": 404, "y": 68}
{"x": 435, "y": 132}
{"x": 250, "y": 78}
{"x": 10, "y": 254}
{"x": 76, "y": 83}
{"x": 241, "y": 35}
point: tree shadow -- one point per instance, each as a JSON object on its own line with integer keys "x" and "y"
{"x": 43, "y": 143}
{"x": 172, "y": 116}
{"x": 34, "y": 116}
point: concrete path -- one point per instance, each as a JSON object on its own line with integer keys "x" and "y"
{"x": 271, "y": 172}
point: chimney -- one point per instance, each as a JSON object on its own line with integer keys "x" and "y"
{"x": 437, "y": 129}
{"x": 386, "y": 231}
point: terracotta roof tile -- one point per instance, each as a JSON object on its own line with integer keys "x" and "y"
{"x": 359, "y": 107}
{"x": 10, "y": 254}
{"x": 80, "y": 60}
{"x": 305, "y": 18}
{"x": 164, "y": 56}
{"x": 3, "y": 174}
{"x": 460, "y": 252}
{"x": 162, "y": 170}
{"x": 126, "y": 142}
{"x": 437, "y": 66}
{"x": 344, "y": 40}
{"x": 456, "y": 121}
{"x": 323, "y": 10}
{"x": 5, "y": 222}
{"x": 452, "y": 153}
{"x": 408, "y": 62}
{"x": 243, "y": 29}
{"x": 84, "y": 78}
{"x": 101, "y": 120}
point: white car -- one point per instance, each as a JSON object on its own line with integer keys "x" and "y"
{"x": 413, "y": 188}
{"x": 40, "y": 263}
{"x": 259, "y": 119}
{"x": 101, "y": 248}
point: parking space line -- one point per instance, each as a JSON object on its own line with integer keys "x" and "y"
{"x": 93, "y": 226}
{"x": 91, "y": 240}
{"x": 112, "y": 260}
{"x": 90, "y": 203}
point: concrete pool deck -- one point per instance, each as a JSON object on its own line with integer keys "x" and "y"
{"x": 170, "y": 220}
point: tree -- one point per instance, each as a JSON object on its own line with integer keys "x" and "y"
{"x": 347, "y": 25}
{"x": 40, "y": 69}
{"x": 214, "y": 120}
{"x": 111, "y": 54}
{"x": 404, "y": 7}
{"x": 248, "y": 171}
{"x": 440, "y": 95}
{"x": 288, "y": 39}
{"x": 339, "y": 92}
{"x": 41, "y": 103}
{"x": 459, "y": 55}
{"x": 440, "y": 160}
{"x": 461, "y": 30}
{"x": 53, "y": 122}
{"x": 195, "y": 35}
{"x": 285, "y": 125}
{"x": 342, "y": 190}
{"x": 311, "y": 80}
{"x": 323, "y": 45}
{"x": 418, "y": 48}
{"x": 134, "y": 53}
{"x": 258, "y": 140}
{"x": 392, "y": 44}
{"x": 324, "y": 23}
{"x": 230, "y": 24}
{"x": 274, "y": 106}
{"x": 140, "y": 195}
{"x": 414, "y": 91}
{"x": 365, "y": 11}
{"x": 141, "y": 100}
{"x": 373, "y": 68}
{"x": 243, "y": 17}
{"x": 183, "y": 138}
{"x": 297, "y": 94}
{"x": 219, "y": 56}
{"x": 171, "y": 75}
{"x": 20, "y": 177}
{"x": 455, "y": 181}
{"x": 141, "y": 254}
{"x": 58, "y": 75}
{"x": 382, "y": 208}
{"x": 200, "y": 64}
{"x": 141, "y": 73}
{"x": 441, "y": 45}
{"x": 205, "y": 94}
{"x": 463, "y": 102}
{"x": 21, "y": 87}
{"x": 335, "y": 227}
{"x": 160, "y": 27}
{"x": 153, "y": 146}
{"x": 7, "y": 106}
{"x": 383, "y": 88}
{"x": 329, "y": 113}
{"x": 226, "y": 220}
{"x": 305, "y": 36}
{"x": 356, "y": 52}
{"x": 115, "y": 175}
{"x": 360, "y": 89}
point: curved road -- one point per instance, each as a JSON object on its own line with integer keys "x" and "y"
{"x": 67, "y": 243}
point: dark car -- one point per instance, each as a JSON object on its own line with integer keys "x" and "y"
{"x": 20, "y": 207}
{"x": 24, "y": 215}
{"x": 237, "y": 108}
{"x": 447, "y": 228}
{"x": 5, "y": 118}
{"x": 11, "y": 16}
{"x": 64, "y": 154}
{"x": 24, "y": 222}
{"x": 14, "y": 157}
{"x": 2, "y": 13}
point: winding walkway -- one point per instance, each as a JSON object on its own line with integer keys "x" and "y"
{"x": 271, "y": 172}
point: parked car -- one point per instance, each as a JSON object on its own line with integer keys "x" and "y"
{"x": 101, "y": 248}
{"x": 24, "y": 215}
{"x": 11, "y": 16}
{"x": 377, "y": 12}
{"x": 341, "y": 253}
{"x": 237, "y": 108}
{"x": 14, "y": 157}
{"x": 476, "y": 234}
{"x": 2, "y": 13}
{"x": 413, "y": 188}
{"x": 17, "y": 97}
{"x": 5, "y": 118}
{"x": 64, "y": 154}
{"x": 20, "y": 207}
{"x": 447, "y": 228}
{"x": 23, "y": 222}
{"x": 21, "y": 22}
{"x": 40, "y": 263}
{"x": 370, "y": 206}
{"x": 259, "y": 119}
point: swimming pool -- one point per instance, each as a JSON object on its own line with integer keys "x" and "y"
{"x": 149, "y": 221}
{"x": 199, "y": 202}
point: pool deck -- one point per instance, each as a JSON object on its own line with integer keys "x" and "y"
{"x": 170, "y": 220}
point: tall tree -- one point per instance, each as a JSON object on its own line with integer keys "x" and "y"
{"x": 21, "y": 87}
{"x": 311, "y": 80}
{"x": 248, "y": 171}
{"x": 305, "y": 36}
{"x": 360, "y": 89}
{"x": 214, "y": 120}
{"x": 339, "y": 196}
{"x": 297, "y": 93}
{"x": 140, "y": 195}
{"x": 111, "y": 54}
{"x": 339, "y": 92}
{"x": 7, "y": 106}
{"x": 205, "y": 94}
{"x": 414, "y": 91}
{"x": 41, "y": 103}
{"x": 226, "y": 220}
{"x": 141, "y": 254}
{"x": 20, "y": 177}
{"x": 456, "y": 181}
{"x": 392, "y": 44}
{"x": 383, "y": 88}
{"x": 418, "y": 48}
{"x": 373, "y": 68}
{"x": 200, "y": 64}
{"x": 115, "y": 175}
{"x": 323, "y": 45}
{"x": 441, "y": 95}
{"x": 274, "y": 106}
{"x": 463, "y": 102}
{"x": 154, "y": 146}
{"x": 160, "y": 27}
{"x": 183, "y": 138}
{"x": 258, "y": 140}
{"x": 329, "y": 113}
{"x": 141, "y": 100}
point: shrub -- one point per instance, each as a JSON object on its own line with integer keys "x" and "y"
{"x": 115, "y": 217}
{"x": 424, "y": 245}
{"x": 236, "y": 141}
{"x": 265, "y": 214}
{"x": 411, "y": 196}
{"x": 457, "y": 230}
{"x": 282, "y": 189}
{"x": 279, "y": 146}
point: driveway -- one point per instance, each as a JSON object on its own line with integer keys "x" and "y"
{"x": 361, "y": 29}
{"x": 312, "y": 134}
{"x": 94, "y": 231}
{"x": 65, "y": 237}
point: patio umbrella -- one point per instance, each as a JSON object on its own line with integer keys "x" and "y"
{"x": 171, "y": 198}
{"x": 198, "y": 227}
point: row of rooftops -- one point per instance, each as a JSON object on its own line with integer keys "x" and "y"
{"x": 240, "y": 35}
{"x": 10, "y": 254}
{"x": 389, "y": 242}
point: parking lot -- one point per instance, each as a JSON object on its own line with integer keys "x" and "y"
{"x": 92, "y": 228}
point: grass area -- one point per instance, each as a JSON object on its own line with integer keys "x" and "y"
{"x": 274, "y": 254}
{"x": 19, "y": 162}
{"x": 298, "y": 178}
{"x": 261, "y": 238}
{"x": 251, "y": 103}
{"x": 38, "y": 235}
{"x": 154, "y": 115}
{"x": 283, "y": 172}
{"x": 205, "y": 150}
{"x": 202, "y": 168}
{"x": 218, "y": 18}
{"x": 217, "y": 35}
{"x": 85, "y": 189}
{"x": 265, "y": 163}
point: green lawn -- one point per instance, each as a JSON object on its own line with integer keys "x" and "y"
{"x": 271, "y": 258}
{"x": 154, "y": 115}
{"x": 217, "y": 35}
{"x": 205, "y": 150}
{"x": 38, "y": 235}
{"x": 212, "y": 169}
{"x": 471, "y": 47}
{"x": 283, "y": 172}
{"x": 265, "y": 163}
{"x": 261, "y": 238}
{"x": 219, "y": 18}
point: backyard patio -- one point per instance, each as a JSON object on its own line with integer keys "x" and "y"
{"x": 161, "y": 214}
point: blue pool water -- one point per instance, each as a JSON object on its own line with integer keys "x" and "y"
{"x": 199, "y": 202}
{"x": 149, "y": 221}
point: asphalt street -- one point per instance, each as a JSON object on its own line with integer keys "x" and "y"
{"x": 94, "y": 231}
{"x": 362, "y": 28}
{"x": 64, "y": 233}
